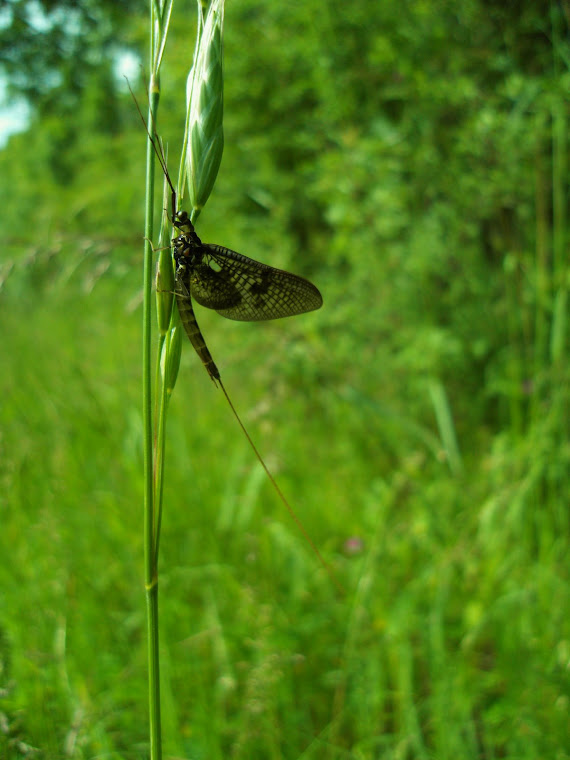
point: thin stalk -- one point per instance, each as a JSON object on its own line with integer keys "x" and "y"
{"x": 150, "y": 566}
{"x": 159, "y": 21}
{"x": 170, "y": 360}
{"x": 542, "y": 273}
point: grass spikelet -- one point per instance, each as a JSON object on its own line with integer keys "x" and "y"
{"x": 205, "y": 103}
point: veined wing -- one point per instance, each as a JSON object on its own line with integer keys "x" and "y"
{"x": 246, "y": 290}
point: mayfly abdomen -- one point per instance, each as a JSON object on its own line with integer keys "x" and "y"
{"x": 188, "y": 319}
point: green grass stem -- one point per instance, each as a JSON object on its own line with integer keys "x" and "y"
{"x": 150, "y": 565}
{"x": 159, "y": 22}
{"x": 169, "y": 344}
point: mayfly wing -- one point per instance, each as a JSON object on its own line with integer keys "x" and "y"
{"x": 246, "y": 290}
{"x": 234, "y": 285}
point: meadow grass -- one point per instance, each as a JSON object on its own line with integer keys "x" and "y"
{"x": 452, "y": 640}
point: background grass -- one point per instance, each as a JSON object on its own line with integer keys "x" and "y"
{"x": 412, "y": 160}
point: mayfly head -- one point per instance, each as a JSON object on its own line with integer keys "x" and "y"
{"x": 182, "y": 222}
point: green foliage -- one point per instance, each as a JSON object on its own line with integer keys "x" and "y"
{"x": 51, "y": 49}
{"x": 411, "y": 158}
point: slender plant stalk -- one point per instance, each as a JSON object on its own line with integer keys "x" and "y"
{"x": 150, "y": 566}
{"x": 167, "y": 362}
{"x": 159, "y": 21}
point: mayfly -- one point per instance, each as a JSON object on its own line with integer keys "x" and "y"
{"x": 238, "y": 288}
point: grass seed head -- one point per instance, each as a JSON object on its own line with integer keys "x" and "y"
{"x": 205, "y": 90}
{"x": 170, "y": 358}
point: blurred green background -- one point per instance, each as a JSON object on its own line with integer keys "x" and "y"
{"x": 411, "y": 158}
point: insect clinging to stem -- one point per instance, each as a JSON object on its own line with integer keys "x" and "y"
{"x": 238, "y": 288}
